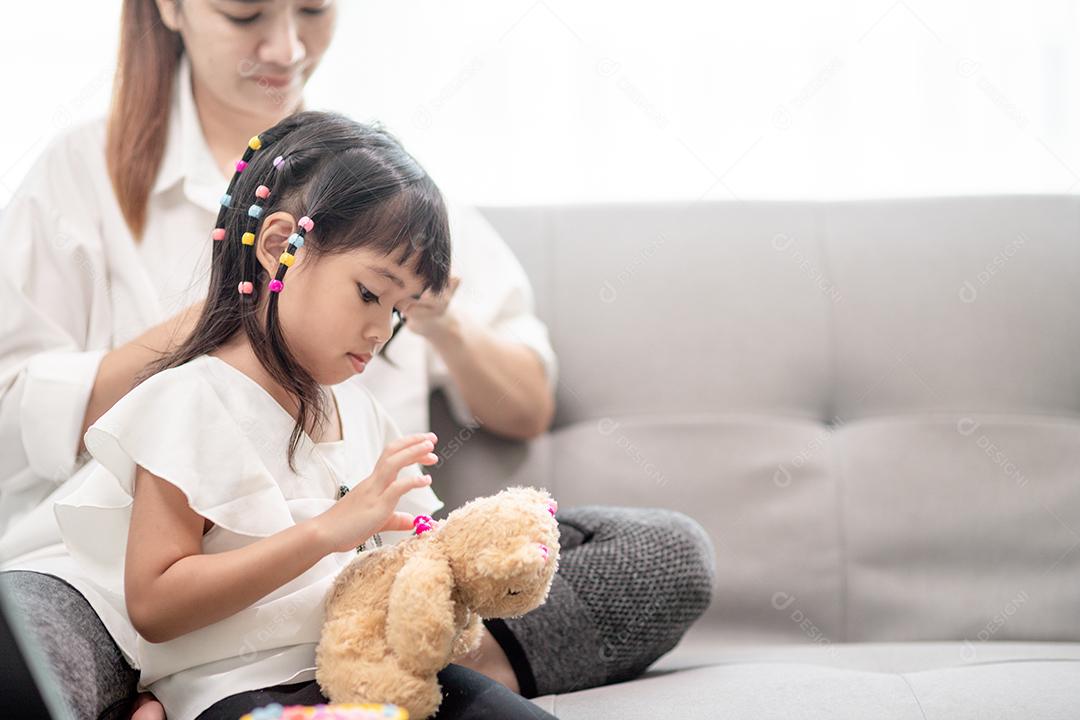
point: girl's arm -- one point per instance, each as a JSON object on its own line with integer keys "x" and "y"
{"x": 171, "y": 588}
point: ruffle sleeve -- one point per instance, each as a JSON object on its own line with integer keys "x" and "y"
{"x": 176, "y": 426}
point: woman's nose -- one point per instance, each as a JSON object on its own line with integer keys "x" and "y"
{"x": 282, "y": 45}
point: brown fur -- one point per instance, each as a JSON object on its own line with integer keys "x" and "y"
{"x": 398, "y": 615}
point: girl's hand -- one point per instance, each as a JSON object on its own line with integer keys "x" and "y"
{"x": 369, "y": 507}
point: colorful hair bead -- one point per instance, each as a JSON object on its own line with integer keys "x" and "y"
{"x": 262, "y": 192}
{"x": 276, "y": 285}
{"x": 245, "y": 287}
{"x": 255, "y": 211}
{"x": 255, "y": 143}
{"x": 278, "y": 162}
{"x": 296, "y": 240}
{"x": 248, "y": 238}
{"x": 286, "y": 259}
{"x": 240, "y": 165}
{"x": 226, "y": 200}
{"x": 307, "y": 223}
{"x": 218, "y": 234}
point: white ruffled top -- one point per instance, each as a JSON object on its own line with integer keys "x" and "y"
{"x": 219, "y": 437}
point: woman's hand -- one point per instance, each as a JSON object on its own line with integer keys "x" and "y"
{"x": 369, "y": 507}
{"x": 427, "y": 316}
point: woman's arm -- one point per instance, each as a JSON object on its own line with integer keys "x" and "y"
{"x": 503, "y": 382}
{"x": 118, "y": 369}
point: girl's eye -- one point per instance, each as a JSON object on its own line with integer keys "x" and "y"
{"x": 243, "y": 20}
{"x": 367, "y": 295}
{"x": 313, "y": 10}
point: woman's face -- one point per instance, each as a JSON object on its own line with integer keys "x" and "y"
{"x": 335, "y": 306}
{"x": 253, "y": 55}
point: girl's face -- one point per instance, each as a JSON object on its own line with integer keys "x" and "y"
{"x": 339, "y": 309}
{"x": 253, "y": 56}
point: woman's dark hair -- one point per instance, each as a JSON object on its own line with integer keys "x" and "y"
{"x": 362, "y": 190}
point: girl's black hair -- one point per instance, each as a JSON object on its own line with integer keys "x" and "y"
{"x": 361, "y": 189}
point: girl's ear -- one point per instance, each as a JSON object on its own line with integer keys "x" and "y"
{"x": 274, "y": 239}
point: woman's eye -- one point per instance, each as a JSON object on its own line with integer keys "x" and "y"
{"x": 243, "y": 20}
{"x": 367, "y": 295}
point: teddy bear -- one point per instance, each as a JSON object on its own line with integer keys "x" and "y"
{"x": 397, "y": 615}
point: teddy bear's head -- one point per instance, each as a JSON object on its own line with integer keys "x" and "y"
{"x": 503, "y": 551}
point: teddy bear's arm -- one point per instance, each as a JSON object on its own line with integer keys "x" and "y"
{"x": 468, "y": 639}
{"x": 420, "y": 625}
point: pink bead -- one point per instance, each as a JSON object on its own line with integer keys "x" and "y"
{"x": 218, "y": 234}
{"x": 262, "y": 192}
{"x": 276, "y": 285}
{"x": 307, "y": 223}
{"x": 240, "y": 165}
{"x": 245, "y": 288}
{"x": 553, "y": 507}
{"x": 544, "y": 551}
{"x": 423, "y": 523}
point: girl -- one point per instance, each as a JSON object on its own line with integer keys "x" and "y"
{"x": 227, "y": 498}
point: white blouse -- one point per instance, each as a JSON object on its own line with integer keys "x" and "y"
{"x": 75, "y": 284}
{"x": 220, "y": 438}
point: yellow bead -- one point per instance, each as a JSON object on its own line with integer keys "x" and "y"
{"x": 248, "y": 238}
{"x": 255, "y": 143}
{"x": 287, "y": 259}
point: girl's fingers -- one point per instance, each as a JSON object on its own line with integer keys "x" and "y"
{"x": 398, "y": 521}
{"x": 404, "y": 484}
{"x": 408, "y": 440}
{"x": 421, "y": 453}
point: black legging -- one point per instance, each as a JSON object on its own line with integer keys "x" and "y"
{"x": 466, "y": 694}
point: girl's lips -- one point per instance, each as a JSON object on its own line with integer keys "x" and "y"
{"x": 359, "y": 362}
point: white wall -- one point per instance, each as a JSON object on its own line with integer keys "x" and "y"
{"x": 522, "y": 101}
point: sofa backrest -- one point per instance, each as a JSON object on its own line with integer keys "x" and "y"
{"x": 871, "y": 406}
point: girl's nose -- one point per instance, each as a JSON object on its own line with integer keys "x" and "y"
{"x": 378, "y": 331}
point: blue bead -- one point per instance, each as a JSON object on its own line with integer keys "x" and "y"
{"x": 226, "y": 200}
{"x": 297, "y": 240}
{"x": 255, "y": 211}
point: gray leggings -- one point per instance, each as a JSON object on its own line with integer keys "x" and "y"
{"x": 630, "y": 583}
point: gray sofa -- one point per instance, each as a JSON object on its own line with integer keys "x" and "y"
{"x": 872, "y": 407}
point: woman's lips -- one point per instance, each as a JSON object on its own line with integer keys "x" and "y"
{"x": 275, "y": 80}
{"x": 359, "y": 361}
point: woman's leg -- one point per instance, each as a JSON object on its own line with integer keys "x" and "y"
{"x": 467, "y": 695}
{"x": 630, "y": 583}
{"x": 96, "y": 680}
